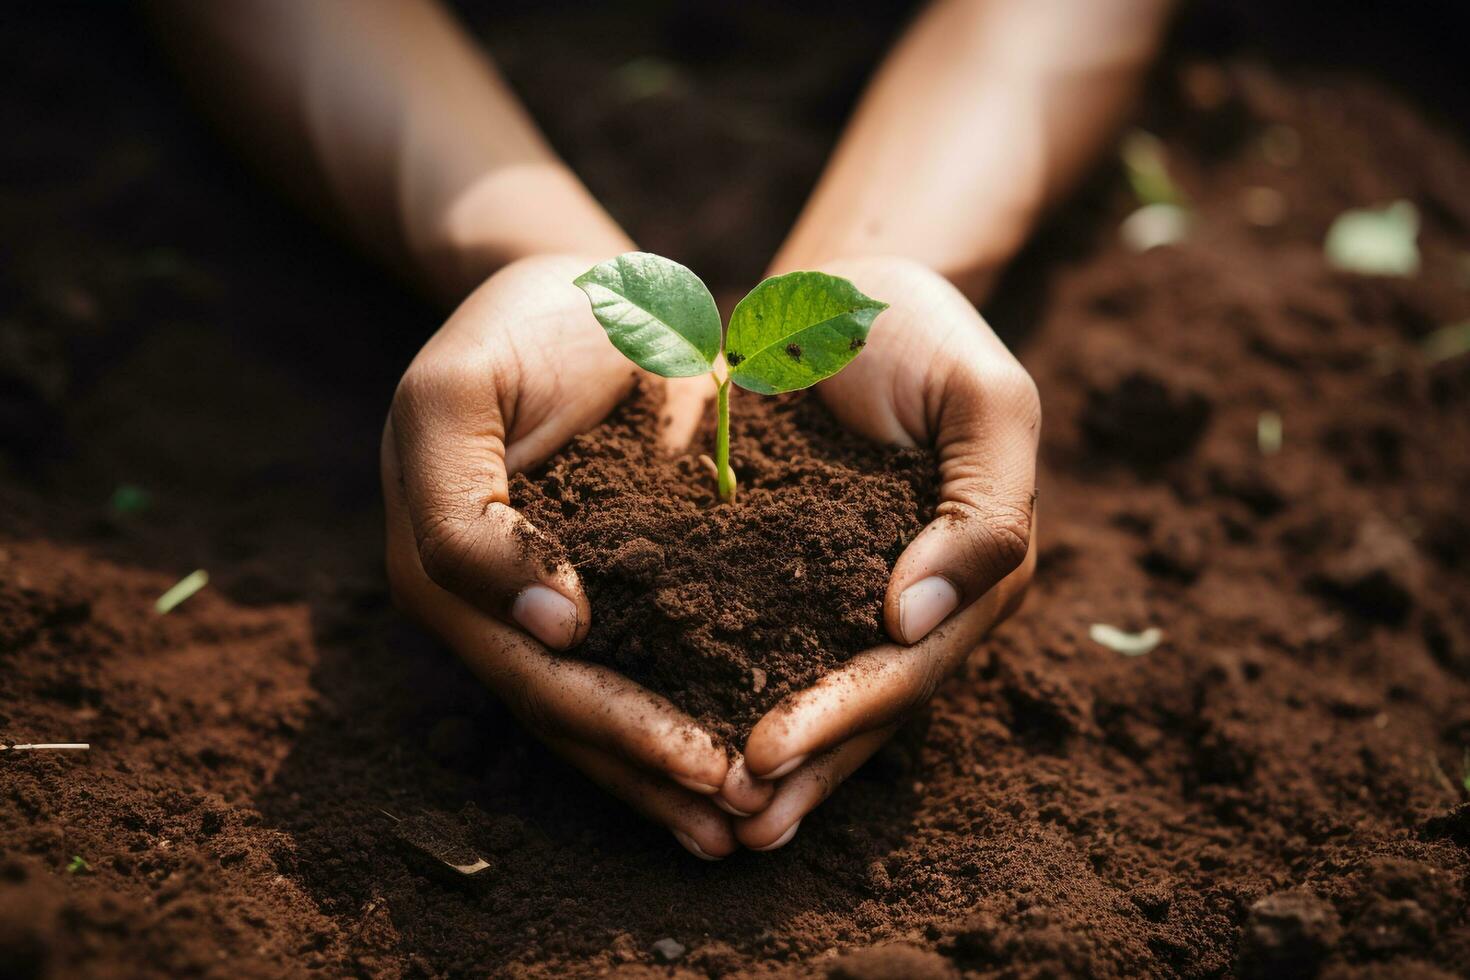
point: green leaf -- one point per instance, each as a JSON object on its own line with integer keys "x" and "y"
{"x": 1376, "y": 243}
{"x": 794, "y": 330}
{"x": 656, "y": 312}
{"x": 1147, "y": 166}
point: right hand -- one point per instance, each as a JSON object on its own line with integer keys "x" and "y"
{"x": 520, "y": 368}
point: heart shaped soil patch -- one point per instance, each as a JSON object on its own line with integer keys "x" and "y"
{"x": 727, "y": 608}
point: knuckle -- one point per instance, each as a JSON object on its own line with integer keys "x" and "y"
{"x": 1027, "y": 398}
{"x": 1009, "y": 538}
{"x": 445, "y": 549}
{"x": 998, "y": 538}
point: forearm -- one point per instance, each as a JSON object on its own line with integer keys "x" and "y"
{"x": 383, "y": 116}
{"x": 984, "y": 112}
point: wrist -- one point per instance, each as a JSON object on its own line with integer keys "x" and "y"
{"x": 974, "y": 279}
{"x": 507, "y": 215}
{"x": 971, "y": 266}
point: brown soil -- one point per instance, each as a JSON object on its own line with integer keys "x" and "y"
{"x": 1274, "y": 789}
{"x": 726, "y": 609}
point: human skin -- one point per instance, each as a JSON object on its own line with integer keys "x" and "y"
{"x": 381, "y": 116}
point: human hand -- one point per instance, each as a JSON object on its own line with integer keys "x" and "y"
{"x": 518, "y": 369}
{"x": 933, "y": 373}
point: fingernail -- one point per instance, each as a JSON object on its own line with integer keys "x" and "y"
{"x": 785, "y": 767}
{"x": 692, "y": 847}
{"x": 547, "y": 615}
{"x": 781, "y": 841}
{"x": 729, "y": 809}
{"x": 923, "y": 606}
{"x": 704, "y": 788}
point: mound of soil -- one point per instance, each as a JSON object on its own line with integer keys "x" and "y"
{"x": 726, "y": 609}
{"x": 1275, "y": 789}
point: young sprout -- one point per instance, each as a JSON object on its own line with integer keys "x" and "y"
{"x": 78, "y": 865}
{"x": 788, "y": 333}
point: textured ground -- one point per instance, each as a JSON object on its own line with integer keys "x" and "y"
{"x": 1277, "y": 786}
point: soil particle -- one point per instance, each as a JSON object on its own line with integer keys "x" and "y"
{"x": 1379, "y": 575}
{"x": 896, "y": 961}
{"x": 668, "y": 950}
{"x": 1140, "y": 405}
{"x": 1288, "y": 932}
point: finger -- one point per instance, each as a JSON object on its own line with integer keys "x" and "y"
{"x": 986, "y": 437}
{"x": 743, "y": 794}
{"x": 553, "y": 695}
{"x": 563, "y": 698}
{"x": 804, "y": 790}
{"x": 468, "y": 538}
{"x": 876, "y": 688}
{"x": 686, "y": 402}
{"x": 472, "y": 406}
{"x": 694, "y": 821}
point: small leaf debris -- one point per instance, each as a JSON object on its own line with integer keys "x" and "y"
{"x": 669, "y": 950}
{"x": 54, "y": 746}
{"x": 438, "y": 838}
{"x": 1381, "y": 242}
{"x": 1163, "y": 217}
{"x": 1146, "y": 163}
{"x": 1121, "y": 641}
{"x": 1153, "y": 226}
{"x": 1268, "y": 433}
{"x": 78, "y": 865}
{"x": 129, "y": 499}
{"x": 1446, "y": 342}
{"x": 181, "y": 590}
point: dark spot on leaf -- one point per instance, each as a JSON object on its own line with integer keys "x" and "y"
{"x": 794, "y": 350}
{"x": 857, "y": 343}
{"x": 732, "y": 358}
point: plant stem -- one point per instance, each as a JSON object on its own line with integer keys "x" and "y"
{"x": 726, "y": 476}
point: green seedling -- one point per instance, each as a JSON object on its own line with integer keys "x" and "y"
{"x": 1163, "y": 216}
{"x": 788, "y": 333}
{"x": 78, "y": 865}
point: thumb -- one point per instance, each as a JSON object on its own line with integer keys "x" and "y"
{"x": 469, "y": 540}
{"x": 986, "y": 437}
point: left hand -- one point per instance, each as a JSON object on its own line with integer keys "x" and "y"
{"x": 933, "y": 374}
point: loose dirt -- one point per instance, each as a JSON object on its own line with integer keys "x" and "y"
{"x": 1277, "y": 787}
{"x": 726, "y": 609}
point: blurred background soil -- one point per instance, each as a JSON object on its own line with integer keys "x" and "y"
{"x": 1279, "y": 787}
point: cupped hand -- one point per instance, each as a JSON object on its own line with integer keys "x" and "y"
{"x": 933, "y": 374}
{"x": 518, "y": 369}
